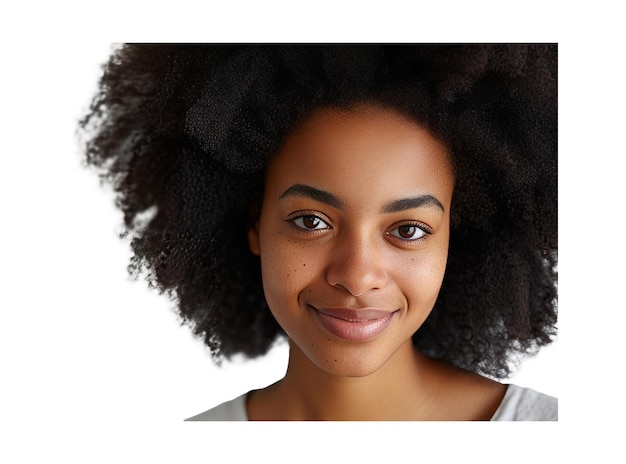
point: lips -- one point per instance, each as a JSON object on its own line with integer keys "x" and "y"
{"x": 353, "y": 324}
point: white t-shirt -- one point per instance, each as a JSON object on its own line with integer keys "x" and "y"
{"x": 518, "y": 404}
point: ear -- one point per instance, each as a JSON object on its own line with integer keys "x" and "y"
{"x": 253, "y": 239}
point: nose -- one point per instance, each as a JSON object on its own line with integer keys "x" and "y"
{"x": 357, "y": 266}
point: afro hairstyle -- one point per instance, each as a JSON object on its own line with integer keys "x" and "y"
{"x": 184, "y": 132}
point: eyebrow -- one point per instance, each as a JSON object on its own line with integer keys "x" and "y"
{"x": 307, "y": 191}
{"x": 396, "y": 206}
{"x": 413, "y": 202}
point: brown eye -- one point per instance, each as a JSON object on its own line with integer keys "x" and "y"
{"x": 310, "y": 223}
{"x": 408, "y": 232}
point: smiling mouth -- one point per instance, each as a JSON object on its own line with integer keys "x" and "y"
{"x": 353, "y": 324}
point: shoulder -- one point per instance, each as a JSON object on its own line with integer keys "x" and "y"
{"x": 232, "y": 410}
{"x": 526, "y": 404}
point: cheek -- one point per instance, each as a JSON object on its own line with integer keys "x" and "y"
{"x": 287, "y": 269}
{"x": 422, "y": 279}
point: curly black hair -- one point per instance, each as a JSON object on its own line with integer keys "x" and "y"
{"x": 184, "y": 133}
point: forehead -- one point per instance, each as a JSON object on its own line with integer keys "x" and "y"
{"x": 363, "y": 153}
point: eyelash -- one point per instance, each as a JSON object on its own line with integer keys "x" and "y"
{"x": 420, "y": 226}
{"x": 305, "y": 230}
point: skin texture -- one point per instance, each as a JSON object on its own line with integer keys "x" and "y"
{"x": 358, "y": 247}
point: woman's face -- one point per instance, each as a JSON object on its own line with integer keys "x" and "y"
{"x": 353, "y": 235}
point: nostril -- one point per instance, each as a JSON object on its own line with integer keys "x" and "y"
{"x": 357, "y": 275}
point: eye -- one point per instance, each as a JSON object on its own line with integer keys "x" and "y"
{"x": 310, "y": 222}
{"x": 410, "y": 232}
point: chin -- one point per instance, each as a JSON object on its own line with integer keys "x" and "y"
{"x": 355, "y": 361}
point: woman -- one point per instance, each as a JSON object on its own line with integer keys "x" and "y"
{"x": 391, "y": 210}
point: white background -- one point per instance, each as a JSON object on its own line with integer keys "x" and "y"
{"x": 96, "y": 368}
